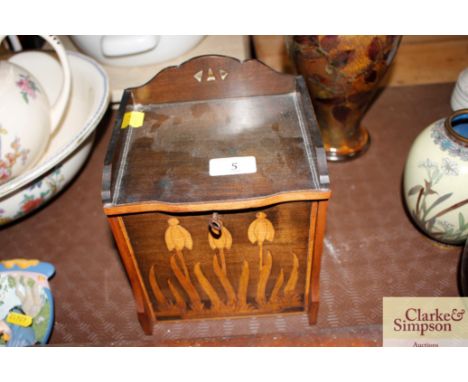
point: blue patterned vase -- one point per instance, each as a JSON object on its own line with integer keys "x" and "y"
{"x": 436, "y": 179}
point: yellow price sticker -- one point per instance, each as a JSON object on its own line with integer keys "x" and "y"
{"x": 22, "y": 263}
{"x": 19, "y": 319}
{"x": 133, "y": 119}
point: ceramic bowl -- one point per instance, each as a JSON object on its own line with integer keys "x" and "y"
{"x": 459, "y": 99}
{"x": 28, "y": 118}
{"x": 71, "y": 144}
{"x": 135, "y": 50}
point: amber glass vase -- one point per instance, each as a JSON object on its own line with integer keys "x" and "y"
{"x": 343, "y": 75}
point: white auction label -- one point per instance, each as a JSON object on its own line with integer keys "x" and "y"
{"x": 233, "y": 166}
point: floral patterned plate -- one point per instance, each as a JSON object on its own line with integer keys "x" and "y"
{"x": 70, "y": 146}
{"x": 26, "y": 303}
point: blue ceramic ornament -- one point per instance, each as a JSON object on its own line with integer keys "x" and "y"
{"x": 26, "y": 304}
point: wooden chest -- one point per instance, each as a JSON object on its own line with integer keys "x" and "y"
{"x": 216, "y": 188}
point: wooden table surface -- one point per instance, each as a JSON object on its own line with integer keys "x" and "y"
{"x": 371, "y": 250}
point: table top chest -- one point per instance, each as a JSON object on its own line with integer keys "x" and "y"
{"x": 215, "y": 186}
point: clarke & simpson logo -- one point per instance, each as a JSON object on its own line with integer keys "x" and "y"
{"x": 417, "y": 321}
{"x": 425, "y": 321}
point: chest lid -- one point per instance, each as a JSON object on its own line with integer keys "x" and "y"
{"x": 214, "y": 133}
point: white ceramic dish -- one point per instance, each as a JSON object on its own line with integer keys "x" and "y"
{"x": 87, "y": 105}
{"x": 24, "y": 104}
{"x": 135, "y": 50}
{"x": 459, "y": 99}
{"x": 71, "y": 144}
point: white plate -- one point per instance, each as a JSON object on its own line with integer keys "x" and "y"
{"x": 88, "y": 103}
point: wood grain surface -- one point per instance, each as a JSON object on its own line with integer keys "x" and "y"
{"x": 187, "y": 259}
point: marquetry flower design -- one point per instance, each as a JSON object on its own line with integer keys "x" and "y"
{"x": 224, "y": 241}
{"x": 220, "y": 295}
{"x": 261, "y": 229}
{"x": 177, "y": 238}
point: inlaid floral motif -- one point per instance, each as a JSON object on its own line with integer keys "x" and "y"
{"x": 185, "y": 298}
{"x": 28, "y": 87}
{"x": 428, "y": 198}
{"x": 441, "y": 139}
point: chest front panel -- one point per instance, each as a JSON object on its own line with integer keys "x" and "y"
{"x": 260, "y": 263}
